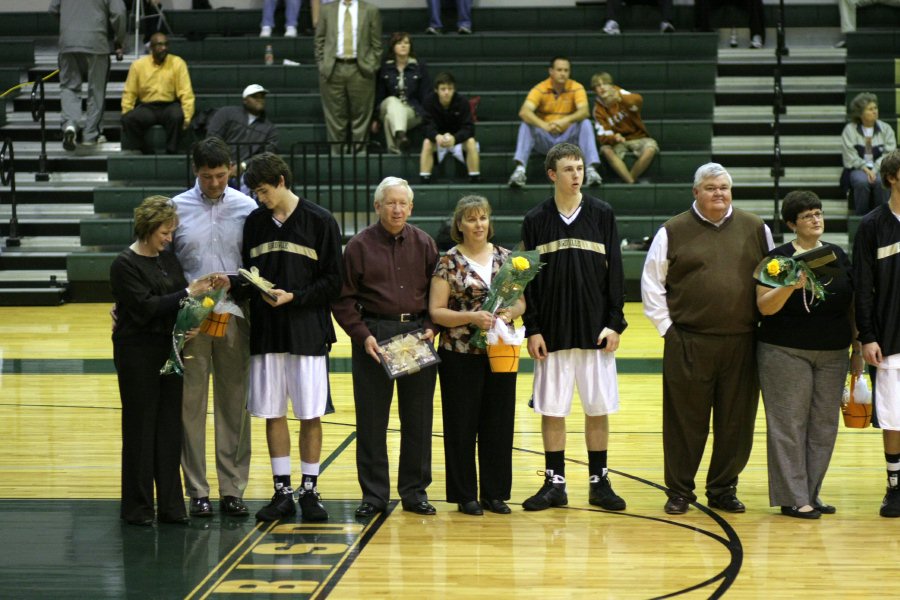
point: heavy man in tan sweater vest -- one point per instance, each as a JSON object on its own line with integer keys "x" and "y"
{"x": 698, "y": 290}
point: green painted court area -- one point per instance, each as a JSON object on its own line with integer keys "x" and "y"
{"x": 103, "y": 366}
{"x": 80, "y": 549}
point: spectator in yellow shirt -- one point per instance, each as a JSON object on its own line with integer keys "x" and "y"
{"x": 555, "y": 111}
{"x": 160, "y": 86}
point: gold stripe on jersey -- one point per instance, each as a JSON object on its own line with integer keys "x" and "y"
{"x": 281, "y": 246}
{"x": 889, "y": 251}
{"x": 572, "y": 244}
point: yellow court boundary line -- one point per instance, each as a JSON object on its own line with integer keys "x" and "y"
{"x": 350, "y": 551}
{"x": 256, "y": 529}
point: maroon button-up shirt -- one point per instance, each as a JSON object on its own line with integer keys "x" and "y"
{"x": 385, "y": 274}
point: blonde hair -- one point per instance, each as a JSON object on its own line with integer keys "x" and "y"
{"x": 466, "y": 206}
{"x": 151, "y": 214}
{"x": 602, "y": 77}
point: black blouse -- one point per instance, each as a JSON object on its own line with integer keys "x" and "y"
{"x": 827, "y": 324}
{"x": 147, "y": 291}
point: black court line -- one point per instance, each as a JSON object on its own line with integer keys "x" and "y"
{"x": 732, "y": 541}
{"x": 371, "y": 529}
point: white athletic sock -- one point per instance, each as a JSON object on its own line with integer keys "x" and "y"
{"x": 281, "y": 465}
{"x": 309, "y": 468}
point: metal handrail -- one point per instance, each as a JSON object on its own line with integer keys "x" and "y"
{"x": 340, "y": 177}
{"x": 38, "y": 113}
{"x": 8, "y": 177}
{"x": 778, "y": 108}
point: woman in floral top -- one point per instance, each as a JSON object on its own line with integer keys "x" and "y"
{"x": 477, "y": 404}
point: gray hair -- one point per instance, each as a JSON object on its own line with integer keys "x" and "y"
{"x": 859, "y": 104}
{"x": 710, "y": 170}
{"x": 389, "y": 182}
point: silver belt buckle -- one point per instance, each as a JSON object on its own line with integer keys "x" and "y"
{"x": 406, "y": 317}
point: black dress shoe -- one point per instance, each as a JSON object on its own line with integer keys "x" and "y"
{"x": 420, "y": 508}
{"x": 825, "y": 509}
{"x": 179, "y": 520}
{"x": 146, "y": 522}
{"x": 677, "y": 505}
{"x": 470, "y": 508}
{"x": 367, "y": 509}
{"x": 201, "y": 507}
{"x": 496, "y": 506}
{"x": 793, "y": 511}
{"x": 728, "y": 503}
{"x": 233, "y": 507}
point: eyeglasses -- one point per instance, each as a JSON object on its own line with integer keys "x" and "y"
{"x": 813, "y": 216}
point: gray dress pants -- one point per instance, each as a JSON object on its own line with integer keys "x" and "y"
{"x": 74, "y": 69}
{"x": 802, "y": 395}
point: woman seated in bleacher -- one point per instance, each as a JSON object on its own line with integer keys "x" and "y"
{"x": 400, "y": 89}
{"x": 864, "y": 143}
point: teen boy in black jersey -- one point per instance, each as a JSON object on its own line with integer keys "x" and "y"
{"x": 573, "y": 321}
{"x": 296, "y": 245}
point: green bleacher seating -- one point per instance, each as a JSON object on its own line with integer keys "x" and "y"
{"x": 513, "y": 46}
{"x": 874, "y": 72}
{"x": 19, "y": 52}
{"x": 885, "y": 44}
{"x": 107, "y": 232}
{"x": 89, "y": 266}
{"x": 283, "y": 108}
{"x": 670, "y": 166}
{"x": 28, "y": 24}
{"x": 694, "y": 134}
{"x": 123, "y": 200}
{"x": 514, "y": 75}
{"x": 9, "y": 77}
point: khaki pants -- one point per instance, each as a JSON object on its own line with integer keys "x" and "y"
{"x": 228, "y": 359}
{"x": 348, "y": 98}
{"x": 396, "y": 116}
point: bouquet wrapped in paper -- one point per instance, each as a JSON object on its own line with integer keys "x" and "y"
{"x": 192, "y": 313}
{"x": 508, "y": 285}
{"x": 784, "y": 271}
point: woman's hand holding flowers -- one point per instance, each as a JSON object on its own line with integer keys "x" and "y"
{"x": 482, "y": 319}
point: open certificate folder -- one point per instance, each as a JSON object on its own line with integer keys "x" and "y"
{"x": 258, "y": 281}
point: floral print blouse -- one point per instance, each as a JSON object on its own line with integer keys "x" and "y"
{"x": 467, "y": 292}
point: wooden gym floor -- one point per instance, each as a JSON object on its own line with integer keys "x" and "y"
{"x": 61, "y": 537}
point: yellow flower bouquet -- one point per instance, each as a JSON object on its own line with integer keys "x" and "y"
{"x": 784, "y": 271}
{"x": 192, "y": 313}
{"x": 508, "y": 285}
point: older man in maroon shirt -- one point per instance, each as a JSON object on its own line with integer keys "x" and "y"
{"x": 387, "y": 273}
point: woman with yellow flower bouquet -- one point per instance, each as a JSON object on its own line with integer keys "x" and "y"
{"x": 477, "y": 404}
{"x": 149, "y": 286}
{"x": 805, "y": 296}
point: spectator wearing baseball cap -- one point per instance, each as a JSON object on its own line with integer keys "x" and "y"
{"x": 245, "y": 128}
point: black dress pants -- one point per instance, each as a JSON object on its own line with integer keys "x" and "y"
{"x": 373, "y": 392}
{"x": 151, "y": 431}
{"x": 754, "y": 10}
{"x": 144, "y": 116}
{"x": 478, "y": 406}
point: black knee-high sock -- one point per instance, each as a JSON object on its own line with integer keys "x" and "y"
{"x": 597, "y": 463}
{"x": 556, "y": 462}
